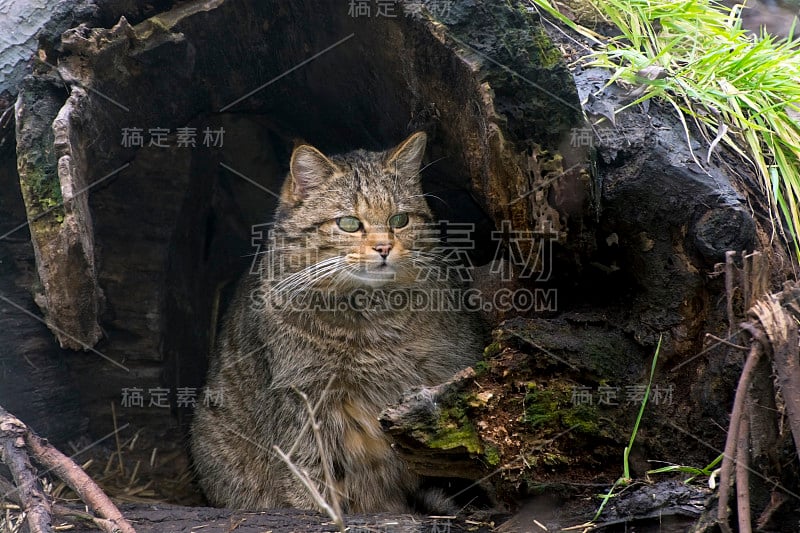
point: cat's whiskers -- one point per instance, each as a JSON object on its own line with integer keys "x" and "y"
{"x": 331, "y": 274}
{"x": 335, "y": 276}
{"x": 426, "y": 195}
{"x": 433, "y": 162}
{"x": 291, "y": 278}
{"x": 273, "y": 250}
{"x": 338, "y": 279}
{"x": 432, "y": 262}
{"x": 421, "y": 255}
{"x": 314, "y": 271}
{"x": 298, "y": 282}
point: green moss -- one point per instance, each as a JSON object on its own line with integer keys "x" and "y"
{"x": 492, "y": 455}
{"x": 454, "y": 429}
{"x": 38, "y": 161}
{"x": 554, "y": 409}
{"x": 542, "y": 407}
{"x": 481, "y": 367}
{"x": 492, "y": 350}
{"x": 541, "y": 50}
{"x": 42, "y": 185}
{"x": 548, "y": 55}
{"x": 582, "y": 418}
{"x": 45, "y": 188}
{"x": 543, "y": 458}
{"x": 455, "y": 435}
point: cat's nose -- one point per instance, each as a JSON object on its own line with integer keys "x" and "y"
{"x": 383, "y": 249}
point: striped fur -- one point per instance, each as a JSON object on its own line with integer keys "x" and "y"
{"x": 272, "y": 342}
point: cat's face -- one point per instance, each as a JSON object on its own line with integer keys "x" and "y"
{"x": 355, "y": 220}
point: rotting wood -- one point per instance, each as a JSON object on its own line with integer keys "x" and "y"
{"x": 673, "y": 284}
{"x": 773, "y": 329}
{"x": 784, "y": 339}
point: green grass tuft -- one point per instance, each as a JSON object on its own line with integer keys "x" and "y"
{"x": 739, "y": 89}
{"x": 626, "y": 473}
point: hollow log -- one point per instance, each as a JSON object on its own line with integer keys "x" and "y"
{"x": 150, "y": 141}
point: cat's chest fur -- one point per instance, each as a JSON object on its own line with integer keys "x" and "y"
{"x": 360, "y": 433}
{"x": 379, "y": 354}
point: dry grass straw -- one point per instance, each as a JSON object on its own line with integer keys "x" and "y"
{"x": 133, "y": 474}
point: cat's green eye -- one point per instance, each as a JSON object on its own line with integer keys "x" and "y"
{"x": 399, "y": 220}
{"x": 348, "y": 224}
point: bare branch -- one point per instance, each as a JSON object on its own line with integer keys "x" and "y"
{"x": 30, "y": 492}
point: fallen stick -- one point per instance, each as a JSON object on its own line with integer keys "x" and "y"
{"x": 79, "y": 481}
{"x": 10, "y": 493}
{"x": 30, "y": 492}
{"x": 25, "y": 443}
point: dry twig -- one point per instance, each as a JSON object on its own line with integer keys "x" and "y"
{"x": 729, "y": 456}
{"x": 742, "y": 475}
{"x": 333, "y": 509}
{"x": 325, "y": 460}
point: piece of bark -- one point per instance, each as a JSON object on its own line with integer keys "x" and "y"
{"x": 414, "y": 424}
{"x": 785, "y": 357}
{"x": 778, "y": 315}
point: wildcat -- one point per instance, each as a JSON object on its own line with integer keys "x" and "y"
{"x": 349, "y": 231}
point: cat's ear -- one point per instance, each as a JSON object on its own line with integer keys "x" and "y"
{"x": 308, "y": 168}
{"x": 405, "y": 159}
